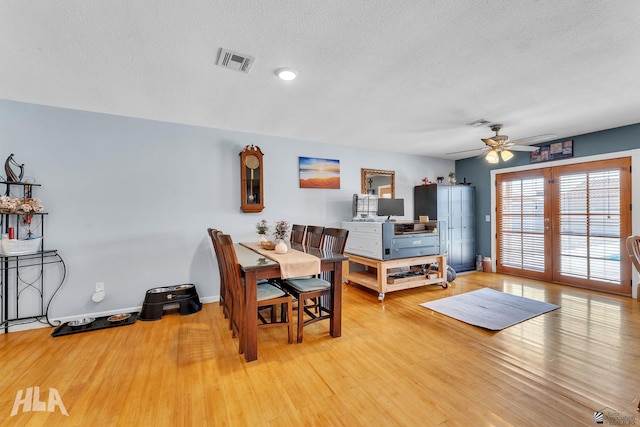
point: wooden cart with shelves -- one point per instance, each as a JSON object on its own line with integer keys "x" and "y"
{"x": 382, "y": 276}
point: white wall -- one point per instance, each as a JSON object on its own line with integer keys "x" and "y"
{"x": 129, "y": 200}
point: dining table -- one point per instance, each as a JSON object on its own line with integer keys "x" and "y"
{"x": 255, "y": 266}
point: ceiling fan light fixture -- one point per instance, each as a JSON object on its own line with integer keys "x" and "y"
{"x": 492, "y": 157}
{"x": 506, "y": 155}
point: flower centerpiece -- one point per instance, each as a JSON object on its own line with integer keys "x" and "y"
{"x": 281, "y": 232}
{"x": 262, "y": 228}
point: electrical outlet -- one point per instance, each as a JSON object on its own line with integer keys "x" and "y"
{"x": 99, "y": 286}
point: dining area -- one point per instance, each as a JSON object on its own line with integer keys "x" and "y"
{"x": 261, "y": 287}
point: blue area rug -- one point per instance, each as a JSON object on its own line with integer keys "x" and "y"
{"x": 489, "y": 309}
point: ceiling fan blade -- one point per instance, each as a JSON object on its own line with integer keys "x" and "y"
{"x": 535, "y": 139}
{"x": 468, "y": 151}
{"x": 523, "y": 148}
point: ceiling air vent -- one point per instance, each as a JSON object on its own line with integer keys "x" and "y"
{"x": 235, "y": 61}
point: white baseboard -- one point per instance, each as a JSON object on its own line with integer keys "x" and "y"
{"x": 37, "y": 324}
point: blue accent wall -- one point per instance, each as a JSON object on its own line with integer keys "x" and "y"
{"x": 478, "y": 171}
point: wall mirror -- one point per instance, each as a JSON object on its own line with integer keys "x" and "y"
{"x": 380, "y": 183}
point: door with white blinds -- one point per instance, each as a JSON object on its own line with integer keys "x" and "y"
{"x": 523, "y": 212}
{"x": 567, "y": 224}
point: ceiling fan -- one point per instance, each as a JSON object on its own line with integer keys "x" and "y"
{"x": 499, "y": 146}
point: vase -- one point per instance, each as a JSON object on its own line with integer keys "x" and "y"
{"x": 452, "y": 180}
{"x": 281, "y": 247}
{"x": 261, "y": 239}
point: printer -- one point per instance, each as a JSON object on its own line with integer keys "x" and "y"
{"x": 394, "y": 240}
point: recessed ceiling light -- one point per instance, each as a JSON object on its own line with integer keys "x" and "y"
{"x": 287, "y": 73}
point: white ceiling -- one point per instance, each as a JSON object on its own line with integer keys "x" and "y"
{"x": 404, "y": 75}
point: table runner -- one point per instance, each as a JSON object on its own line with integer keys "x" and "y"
{"x": 294, "y": 263}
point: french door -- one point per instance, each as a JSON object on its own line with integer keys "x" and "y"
{"x": 567, "y": 224}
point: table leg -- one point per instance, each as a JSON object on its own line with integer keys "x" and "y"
{"x": 250, "y": 323}
{"x": 335, "y": 328}
{"x": 381, "y": 268}
{"x": 442, "y": 263}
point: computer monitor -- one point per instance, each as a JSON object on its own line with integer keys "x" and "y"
{"x": 390, "y": 207}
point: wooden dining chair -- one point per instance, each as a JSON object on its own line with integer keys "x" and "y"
{"x": 316, "y": 290}
{"x": 633, "y": 248}
{"x": 268, "y": 295}
{"x": 225, "y": 299}
{"x": 335, "y": 239}
{"x": 226, "y": 289}
{"x": 297, "y": 233}
{"x": 313, "y": 236}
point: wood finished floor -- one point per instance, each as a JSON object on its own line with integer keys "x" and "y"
{"x": 396, "y": 364}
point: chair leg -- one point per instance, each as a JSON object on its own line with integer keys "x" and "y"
{"x": 290, "y": 321}
{"x": 300, "y": 318}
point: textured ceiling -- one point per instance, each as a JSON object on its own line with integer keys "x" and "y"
{"x": 402, "y": 76}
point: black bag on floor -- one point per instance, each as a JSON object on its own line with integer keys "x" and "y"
{"x": 451, "y": 274}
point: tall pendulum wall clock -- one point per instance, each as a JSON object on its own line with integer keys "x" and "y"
{"x": 251, "y": 182}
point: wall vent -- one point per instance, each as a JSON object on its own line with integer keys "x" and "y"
{"x": 235, "y": 61}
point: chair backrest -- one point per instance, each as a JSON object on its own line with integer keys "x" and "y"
{"x": 234, "y": 281}
{"x": 213, "y": 234}
{"x": 633, "y": 248}
{"x": 297, "y": 233}
{"x": 225, "y": 289}
{"x": 314, "y": 236}
{"x": 335, "y": 239}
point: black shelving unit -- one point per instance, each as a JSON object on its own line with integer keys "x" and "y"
{"x": 22, "y": 276}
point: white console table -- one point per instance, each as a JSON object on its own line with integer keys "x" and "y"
{"x": 375, "y": 274}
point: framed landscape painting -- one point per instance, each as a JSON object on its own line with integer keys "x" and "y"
{"x": 319, "y": 173}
